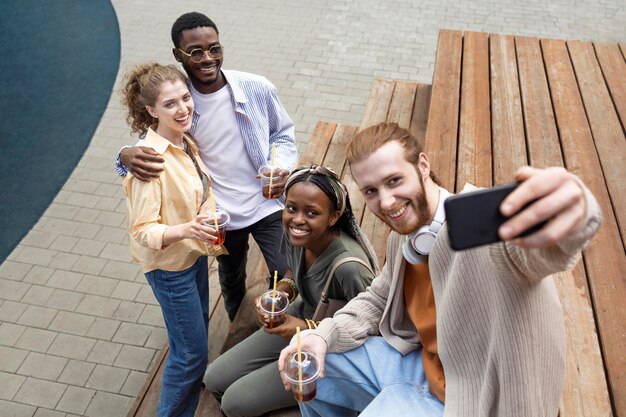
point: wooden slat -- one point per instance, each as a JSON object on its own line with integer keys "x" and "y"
{"x": 441, "y": 137}
{"x": 585, "y": 393}
{"x": 605, "y": 259}
{"x": 318, "y": 145}
{"x": 474, "y": 153}
{"x": 607, "y": 131}
{"x": 541, "y": 134}
{"x": 336, "y": 155}
{"x": 419, "y": 120}
{"x": 377, "y": 106}
{"x": 614, "y": 70}
{"x": 402, "y": 101}
{"x": 507, "y": 125}
{"x": 622, "y": 47}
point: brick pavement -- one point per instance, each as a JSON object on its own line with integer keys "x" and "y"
{"x": 79, "y": 326}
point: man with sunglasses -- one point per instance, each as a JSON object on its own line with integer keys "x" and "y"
{"x": 239, "y": 125}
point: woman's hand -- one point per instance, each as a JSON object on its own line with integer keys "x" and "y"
{"x": 288, "y": 328}
{"x": 262, "y": 318}
{"x": 195, "y": 229}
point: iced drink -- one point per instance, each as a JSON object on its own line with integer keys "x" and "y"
{"x": 222, "y": 218}
{"x": 303, "y": 390}
{"x": 277, "y": 313}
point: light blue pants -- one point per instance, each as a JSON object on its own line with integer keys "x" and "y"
{"x": 375, "y": 380}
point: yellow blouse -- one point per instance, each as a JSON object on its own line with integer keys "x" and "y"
{"x": 173, "y": 198}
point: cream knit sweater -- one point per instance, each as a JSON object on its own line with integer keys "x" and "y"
{"x": 500, "y": 329}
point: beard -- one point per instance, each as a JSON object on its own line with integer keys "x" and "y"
{"x": 421, "y": 209}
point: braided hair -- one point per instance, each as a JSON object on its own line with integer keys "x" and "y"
{"x": 328, "y": 181}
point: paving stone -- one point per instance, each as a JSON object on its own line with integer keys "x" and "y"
{"x": 11, "y": 409}
{"x": 116, "y": 252}
{"x": 126, "y": 290}
{"x": 37, "y": 294}
{"x": 86, "y": 215}
{"x": 89, "y": 247}
{"x": 132, "y": 334}
{"x": 38, "y": 275}
{"x": 104, "y": 352}
{"x": 97, "y": 285}
{"x": 40, "y": 393}
{"x": 44, "y": 412}
{"x": 10, "y": 333}
{"x": 89, "y": 265}
{"x": 64, "y": 300}
{"x": 120, "y": 270}
{"x": 37, "y": 316}
{"x": 76, "y": 400}
{"x": 111, "y": 234}
{"x": 9, "y": 385}
{"x": 98, "y": 306}
{"x": 134, "y": 383}
{"x": 36, "y": 256}
{"x": 153, "y": 316}
{"x": 146, "y": 295}
{"x": 12, "y": 290}
{"x": 87, "y": 230}
{"x": 61, "y": 211}
{"x": 73, "y": 323}
{"x": 133, "y": 357}
{"x": 39, "y": 239}
{"x": 107, "y": 378}
{"x": 105, "y": 404}
{"x": 64, "y": 243}
{"x": 63, "y": 260}
{"x": 37, "y": 340}
{"x": 42, "y": 366}
{"x": 70, "y": 346}
{"x": 103, "y": 329}
{"x": 76, "y": 372}
{"x": 129, "y": 311}
{"x": 11, "y": 311}
{"x": 157, "y": 338}
{"x": 65, "y": 279}
{"x": 14, "y": 271}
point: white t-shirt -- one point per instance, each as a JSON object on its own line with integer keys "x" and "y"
{"x": 223, "y": 151}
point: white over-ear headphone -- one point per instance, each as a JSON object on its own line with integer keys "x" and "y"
{"x": 419, "y": 243}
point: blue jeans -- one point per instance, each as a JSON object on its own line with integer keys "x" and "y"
{"x": 184, "y": 300}
{"x": 267, "y": 233}
{"x": 375, "y": 380}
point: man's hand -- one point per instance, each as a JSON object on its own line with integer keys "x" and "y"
{"x": 287, "y": 328}
{"x": 143, "y": 162}
{"x": 313, "y": 343}
{"x": 560, "y": 201}
{"x": 279, "y": 181}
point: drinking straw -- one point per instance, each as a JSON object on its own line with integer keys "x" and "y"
{"x": 274, "y": 292}
{"x": 299, "y": 360}
{"x": 269, "y": 191}
{"x": 214, "y": 209}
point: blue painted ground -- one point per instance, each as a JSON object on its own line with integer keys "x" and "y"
{"x": 58, "y": 64}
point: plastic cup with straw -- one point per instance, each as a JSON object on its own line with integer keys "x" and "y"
{"x": 266, "y": 174}
{"x": 274, "y": 304}
{"x": 221, "y": 219}
{"x": 301, "y": 370}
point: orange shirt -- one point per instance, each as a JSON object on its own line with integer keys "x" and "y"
{"x": 420, "y": 303}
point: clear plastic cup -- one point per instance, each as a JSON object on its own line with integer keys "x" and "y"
{"x": 223, "y": 220}
{"x": 265, "y": 172}
{"x": 304, "y": 390}
{"x": 280, "y": 301}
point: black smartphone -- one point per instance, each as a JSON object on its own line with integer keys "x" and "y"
{"x": 474, "y": 218}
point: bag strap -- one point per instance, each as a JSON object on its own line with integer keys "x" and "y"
{"x": 337, "y": 264}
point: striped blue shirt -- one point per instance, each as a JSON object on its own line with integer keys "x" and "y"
{"x": 261, "y": 118}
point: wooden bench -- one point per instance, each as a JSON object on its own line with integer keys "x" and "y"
{"x": 500, "y": 102}
{"x": 496, "y": 103}
{"x": 393, "y": 101}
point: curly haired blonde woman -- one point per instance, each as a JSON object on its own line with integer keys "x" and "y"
{"x": 167, "y": 234}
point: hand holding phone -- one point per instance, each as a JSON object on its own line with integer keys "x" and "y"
{"x": 474, "y": 218}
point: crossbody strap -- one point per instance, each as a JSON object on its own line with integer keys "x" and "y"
{"x": 337, "y": 264}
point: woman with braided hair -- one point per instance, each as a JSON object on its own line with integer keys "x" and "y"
{"x": 319, "y": 230}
